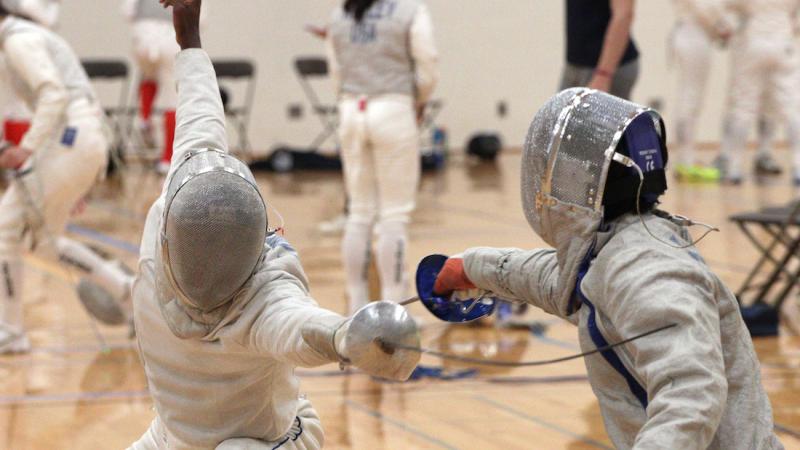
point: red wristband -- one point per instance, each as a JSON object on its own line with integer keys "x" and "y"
{"x": 603, "y": 73}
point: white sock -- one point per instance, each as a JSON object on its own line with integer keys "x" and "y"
{"x": 391, "y": 259}
{"x": 11, "y": 311}
{"x": 734, "y": 140}
{"x": 356, "y": 256}
{"x": 684, "y": 138}
{"x": 105, "y": 273}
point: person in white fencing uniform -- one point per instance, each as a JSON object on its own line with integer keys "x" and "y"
{"x": 699, "y": 24}
{"x": 592, "y": 173}
{"x": 154, "y": 50}
{"x": 765, "y": 65}
{"x": 221, "y": 306}
{"x": 57, "y": 162}
{"x": 383, "y": 62}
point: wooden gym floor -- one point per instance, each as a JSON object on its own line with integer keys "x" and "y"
{"x": 82, "y": 388}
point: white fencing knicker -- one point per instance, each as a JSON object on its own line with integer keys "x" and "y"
{"x": 380, "y": 152}
{"x": 692, "y": 47}
{"x": 766, "y": 68}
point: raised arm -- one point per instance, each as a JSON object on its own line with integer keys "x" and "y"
{"x": 200, "y": 115}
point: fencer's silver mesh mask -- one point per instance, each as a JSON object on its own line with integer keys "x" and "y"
{"x": 567, "y": 154}
{"x": 213, "y": 229}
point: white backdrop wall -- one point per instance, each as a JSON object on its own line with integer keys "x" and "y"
{"x": 491, "y": 51}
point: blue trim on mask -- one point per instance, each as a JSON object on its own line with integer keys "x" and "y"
{"x": 600, "y": 341}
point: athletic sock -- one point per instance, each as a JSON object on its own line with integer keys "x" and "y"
{"x": 391, "y": 259}
{"x": 356, "y": 254}
{"x": 148, "y": 90}
{"x": 11, "y": 311}
{"x": 169, "y": 135}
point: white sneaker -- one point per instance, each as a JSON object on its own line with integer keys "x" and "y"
{"x": 13, "y": 342}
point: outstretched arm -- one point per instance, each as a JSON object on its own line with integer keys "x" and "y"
{"x": 200, "y": 115}
{"x": 530, "y": 276}
{"x": 287, "y": 325}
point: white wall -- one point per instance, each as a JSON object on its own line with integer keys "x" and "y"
{"x": 491, "y": 50}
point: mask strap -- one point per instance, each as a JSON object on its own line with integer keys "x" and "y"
{"x": 628, "y": 162}
{"x": 279, "y": 230}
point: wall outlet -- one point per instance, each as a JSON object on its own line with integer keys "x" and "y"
{"x": 502, "y": 109}
{"x": 294, "y": 111}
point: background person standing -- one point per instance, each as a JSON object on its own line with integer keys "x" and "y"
{"x": 600, "y": 51}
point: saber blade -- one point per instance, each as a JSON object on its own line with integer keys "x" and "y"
{"x": 388, "y": 346}
{"x": 409, "y": 301}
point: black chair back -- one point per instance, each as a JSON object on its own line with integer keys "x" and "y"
{"x": 105, "y": 68}
{"x": 311, "y": 66}
{"x": 239, "y": 68}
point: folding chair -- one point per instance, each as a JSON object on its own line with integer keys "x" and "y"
{"x": 308, "y": 68}
{"x": 239, "y": 70}
{"x": 776, "y": 274}
{"x": 119, "y": 115}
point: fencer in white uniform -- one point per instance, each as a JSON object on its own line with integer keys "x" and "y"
{"x": 222, "y": 310}
{"x": 620, "y": 268}
{"x": 765, "y": 65}
{"x": 59, "y": 159}
{"x": 699, "y": 24}
{"x": 383, "y": 62}
{"x": 154, "y": 50}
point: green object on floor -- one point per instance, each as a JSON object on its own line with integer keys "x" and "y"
{"x": 697, "y": 174}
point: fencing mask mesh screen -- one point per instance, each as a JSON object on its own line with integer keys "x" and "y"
{"x": 569, "y": 150}
{"x": 214, "y": 228}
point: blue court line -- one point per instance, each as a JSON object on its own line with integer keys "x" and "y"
{"x": 104, "y": 239}
{"x": 535, "y": 380}
{"x": 786, "y": 430}
{"x": 541, "y": 422}
{"x": 398, "y": 424}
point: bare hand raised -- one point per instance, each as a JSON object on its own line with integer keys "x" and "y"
{"x": 186, "y": 19}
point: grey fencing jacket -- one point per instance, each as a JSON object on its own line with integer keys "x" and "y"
{"x": 694, "y": 386}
